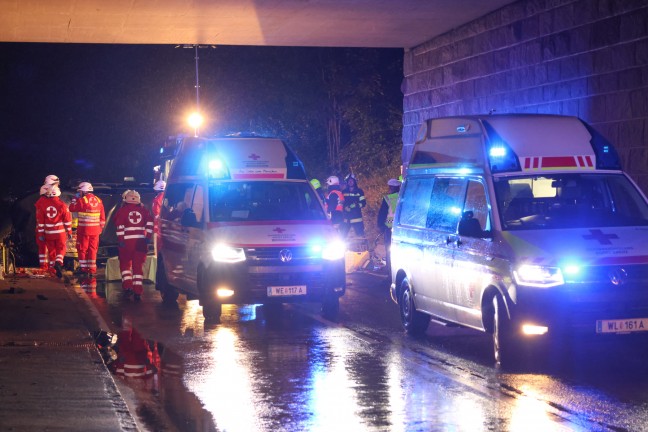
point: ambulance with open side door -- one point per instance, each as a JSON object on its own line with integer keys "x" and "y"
{"x": 522, "y": 226}
{"x": 241, "y": 224}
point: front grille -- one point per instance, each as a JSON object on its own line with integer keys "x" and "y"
{"x": 269, "y": 255}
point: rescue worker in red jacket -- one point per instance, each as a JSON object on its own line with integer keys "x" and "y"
{"x": 92, "y": 218}
{"x": 54, "y": 225}
{"x": 156, "y": 207}
{"x": 335, "y": 201}
{"x": 134, "y": 353}
{"x": 42, "y": 246}
{"x": 134, "y": 230}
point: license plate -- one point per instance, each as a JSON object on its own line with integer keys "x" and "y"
{"x": 291, "y": 290}
{"x": 622, "y": 325}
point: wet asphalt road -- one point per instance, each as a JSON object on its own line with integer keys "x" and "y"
{"x": 299, "y": 372}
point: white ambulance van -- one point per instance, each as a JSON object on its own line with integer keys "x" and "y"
{"x": 522, "y": 226}
{"x": 241, "y": 224}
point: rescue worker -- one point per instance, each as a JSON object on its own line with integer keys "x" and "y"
{"x": 54, "y": 225}
{"x": 91, "y": 220}
{"x": 134, "y": 230}
{"x": 156, "y": 207}
{"x": 335, "y": 201}
{"x": 386, "y": 217}
{"x": 42, "y": 246}
{"x": 354, "y": 202}
{"x": 318, "y": 188}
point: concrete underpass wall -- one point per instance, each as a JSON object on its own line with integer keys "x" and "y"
{"x": 587, "y": 58}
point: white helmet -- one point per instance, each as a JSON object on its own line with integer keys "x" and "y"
{"x": 53, "y": 191}
{"x": 85, "y": 187}
{"x": 394, "y": 182}
{"x": 52, "y": 180}
{"x": 44, "y": 189}
{"x": 332, "y": 180}
{"x": 160, "y": 185}
{"x": 131, "y": 197}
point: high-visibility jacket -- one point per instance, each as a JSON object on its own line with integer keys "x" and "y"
{"x": 354, "y": 201}
{"x": 156, "y": 207}
{"x": 90, "y": 214}
{"x": 134, "y": 225}
{"x": 53, "y": 219}
{"x": 392, "y": 201}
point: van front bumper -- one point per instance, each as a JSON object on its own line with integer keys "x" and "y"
{"x": 261, "y": 283}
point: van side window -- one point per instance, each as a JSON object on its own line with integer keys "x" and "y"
{"x": 446, "y": 204}
{"x": 198, "y": 204}
{"x": 177, "y": 198}
{"x": 475, "y": 211}
{"x": 415, "y": 202}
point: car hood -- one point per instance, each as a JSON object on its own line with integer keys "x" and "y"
{"x": 588, "y": 246}
{"x": 272, "y": 234}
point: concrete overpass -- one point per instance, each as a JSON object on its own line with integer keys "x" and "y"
{"x": 313, "y": 23}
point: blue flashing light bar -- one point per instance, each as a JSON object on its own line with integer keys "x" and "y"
{"x": 606, "y": 155}
{"x": 501, "y": 158}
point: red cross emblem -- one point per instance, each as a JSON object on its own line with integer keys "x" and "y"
{"x": 93, "y": 202}
{"x": 279, "y": 230}
{"x": 254, "y": 156}
{"x": 600, "y": 237}
{"x": 135, "y": 217}
{"x": 51, "y": 212}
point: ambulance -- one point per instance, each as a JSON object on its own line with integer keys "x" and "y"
{"x": 241, "y": 224}
{"x": 521, "y": 226}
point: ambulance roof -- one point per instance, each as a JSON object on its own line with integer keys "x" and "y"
{"x": 512, "y": 142}
{"x": 248, "y": 158}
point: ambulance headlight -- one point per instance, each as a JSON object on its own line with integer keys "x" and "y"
{"x": 334, "y": 250}
{"x": 538, "y": 276}
{"x": 228, "y": 254}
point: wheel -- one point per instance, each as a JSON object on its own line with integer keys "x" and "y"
{"x": 211, "y": 307}
{"x": 169, "y": 293}
{"x": 414, "y": 322}
{"x": 504, "y": 341}
{"x": 211, "y": 310}
{"x": 331, "y": 308}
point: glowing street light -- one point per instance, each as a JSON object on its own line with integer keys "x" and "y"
{"x": 195, "y": 121}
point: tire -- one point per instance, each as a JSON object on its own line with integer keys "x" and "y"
{"x": 168, "y": 293}
{"x": 504, "y": 341}
{"x": 212, "y": 309}
{"x": 331, "y": 308}
{"x": 414, "y": 322}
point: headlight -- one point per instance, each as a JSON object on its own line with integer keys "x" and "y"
{"x": 538, "y": 276}
{"x": 334, "y": 250}
{"x": 225, "y": 253}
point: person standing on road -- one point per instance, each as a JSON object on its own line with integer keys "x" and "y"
{"x": 354, "y": 202}
{"x": 335, "y": 201}
{"x": 156, "y": 207}
{"x": 92, "y": 218}
{"x": 386, "y": 217}
{"x": 134, "y": 231}
{"x": 41, "y": 244}
{"x": 54, "y": 226}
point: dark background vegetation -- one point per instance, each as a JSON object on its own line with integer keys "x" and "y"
{"x": 101, "y": 112}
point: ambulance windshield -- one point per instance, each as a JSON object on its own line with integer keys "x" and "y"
{"x": 569, "y": 201}
{"x": 263, "y": 201}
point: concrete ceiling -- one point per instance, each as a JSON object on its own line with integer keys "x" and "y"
{"x": 316, "y": 23}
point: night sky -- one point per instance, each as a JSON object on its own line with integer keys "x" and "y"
{"x": 101, "y": 112}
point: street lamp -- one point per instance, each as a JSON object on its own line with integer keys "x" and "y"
{"x": 195, "y": 121}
